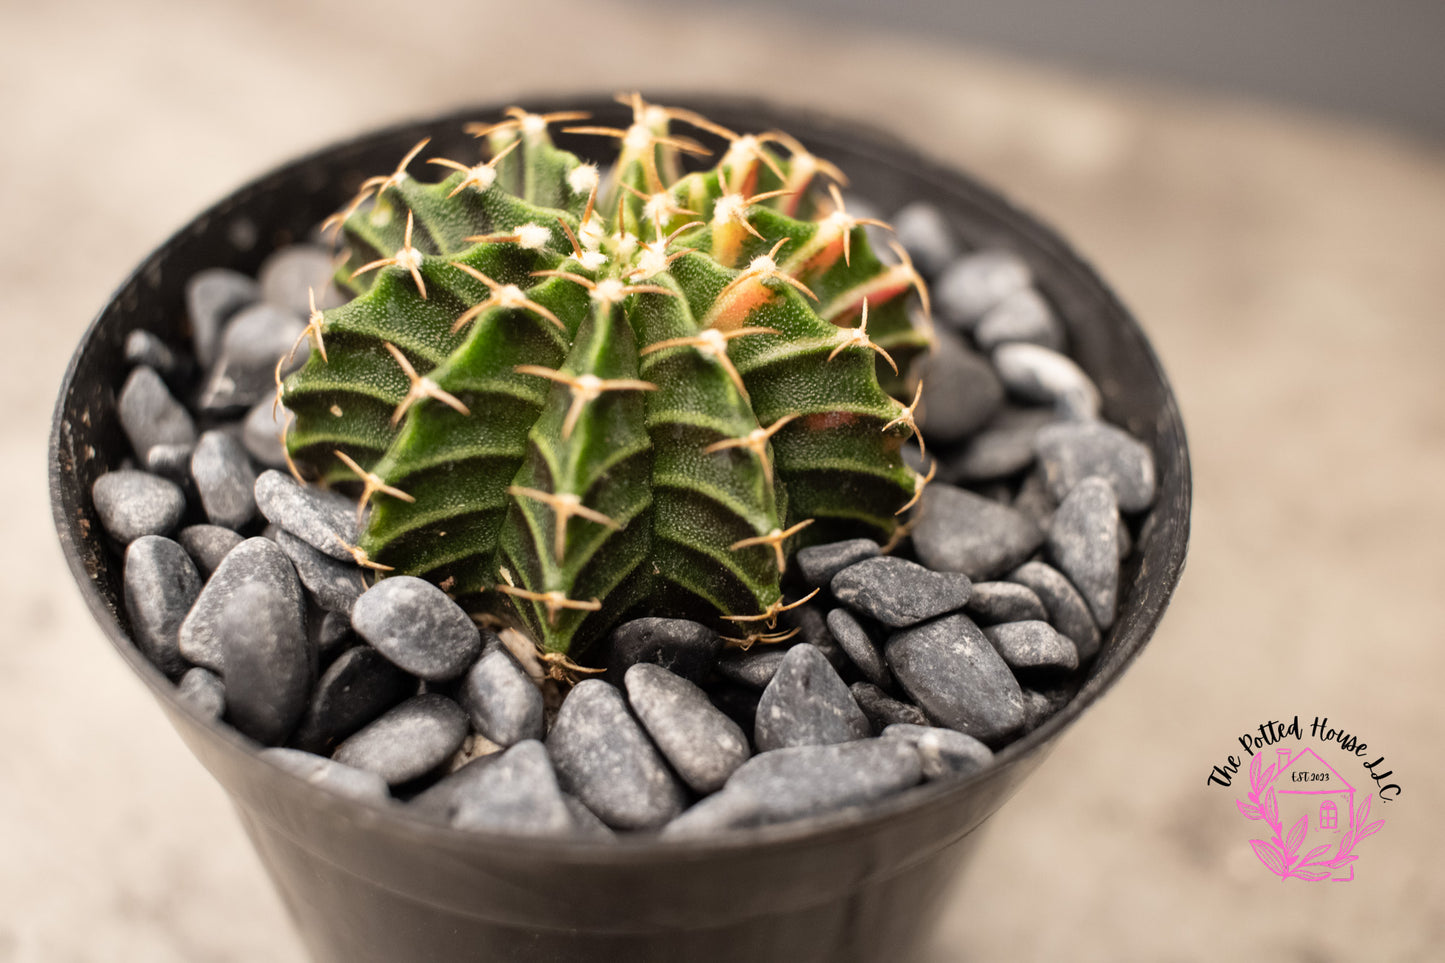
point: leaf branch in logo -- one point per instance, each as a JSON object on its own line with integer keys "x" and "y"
{"x": 1280, "y": 853}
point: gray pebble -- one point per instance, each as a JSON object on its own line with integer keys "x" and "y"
{"x": 1037, "y": 708}
{"x": 952, "y": 672}
{"x": 207, "y": 545}
{"x": 245, "y": 372}
{"x": 161, "y": 585}
{"x": 715, "y": 814}
{"x": 806, "y": 704}
{"x": 860, "y": 206}
{"x": 334, "y": 585}
{"x": 882, "y": 709}
{"x": 754, "y": 668}
{"x": 803, "y": 781}
{"x": 271, "y": 531}
{"x": 135, "y": 503}
{"x": 961, "y": 392}
{"x": 603, "y": 757}
{"x": 287, "y": 274}
{"x": 441, "y": 801}
{"x": 703, "y": 745}
{"x": 859, "y": 646}
{"x": 203, "y": 691}
{"x": 266, "y": 660}
{"x": 1023, "y": 315}
{"x": 261, "y": 432}
{"x": 898, "y": 592}
{"x": 333, "y": 636}
{"x": 914, "y": 458}
{"x": 418, "y": 626}
{"x": 994, "y": 602}
{"x": 585, "y": 822}
{"x": 263, "y": 331}
{"x": 1068, "y": 612}
{"x": 687, "y": 648}
{"x": 1003, "y": 449}
{"x": 256, "y": 561}
{"x": 329, "y": 774}
{"x": 172, "y": 462}
{"x": 356, "y": 688}
{"x": 977, "y": 282}
{"x": 516, "y": 794}
{"x": 1084, "y": 544}
{"x": 923, "y": 231}
{"x": 1069, "y": 452}
{"x": 505, "y": 705}
{"x": 324, "y": 520}
{"x": 1041, "y": 704}
{"x": 212, "y": 297}
{"x": 1032, "y": 645}
{"x": 1040, "y": 375}
{"x": 225, "y": 480}
{"x": 149, "y": 415}
{"x": 812, "y": 626}
{"x": 409, "y": 741}
{"x": 819, "y": 563}
{"x": 1034, "y": 501}
{"x": 144, "y": 348}
{"x": 942, "y": 752}
{"x": 958, "y": 531}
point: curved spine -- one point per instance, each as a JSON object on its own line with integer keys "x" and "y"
{"x": 568, "y": 401}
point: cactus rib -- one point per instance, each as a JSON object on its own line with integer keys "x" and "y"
{"x": 567, "y": 398}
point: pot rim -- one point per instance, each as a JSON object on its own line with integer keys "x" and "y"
{"x": 808, "y": 125}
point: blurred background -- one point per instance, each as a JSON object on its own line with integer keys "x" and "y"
{"x": 1263, "y": 183}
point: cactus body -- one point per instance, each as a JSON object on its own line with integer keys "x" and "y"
{"x": 569, "y": 400}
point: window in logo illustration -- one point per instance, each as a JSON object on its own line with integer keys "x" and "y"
{"x": 1302, "y": 791}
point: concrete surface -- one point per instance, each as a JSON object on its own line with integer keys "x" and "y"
{"x": 1287, "y": 269}
{"x": 1366, "y": 60}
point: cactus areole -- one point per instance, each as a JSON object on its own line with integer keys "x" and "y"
{"x": 570, "y": 397}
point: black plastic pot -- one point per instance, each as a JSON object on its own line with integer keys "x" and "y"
{"x": 370, "y": 884}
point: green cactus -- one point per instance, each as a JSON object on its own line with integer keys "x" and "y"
{"x": 568, "y": 400}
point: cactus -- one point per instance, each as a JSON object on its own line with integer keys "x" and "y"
{"x": 567, "y": 400}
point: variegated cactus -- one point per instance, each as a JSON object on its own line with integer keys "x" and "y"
{"x": 567, "y": 400}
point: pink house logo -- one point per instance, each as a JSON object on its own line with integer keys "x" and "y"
{"x": 1302, "y": 791}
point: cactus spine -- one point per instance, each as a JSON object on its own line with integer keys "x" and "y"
{"x": 567, "y": 400}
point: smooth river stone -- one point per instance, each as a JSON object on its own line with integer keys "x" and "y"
{"x": 952, "y": 671}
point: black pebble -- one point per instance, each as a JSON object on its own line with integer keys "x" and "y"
{"x": 266, "y": 662}
{"x": 856, "y": 642}
{"x": 951, "y": 670}
{"x": 806, "y": 703}
{"x": 681, "y": 646}
{"x": 958, "y": 531}
{"x": 354, "y": 690}
{"x": 161, "y": 585}
{"x": 898, "y": 592}
{"x": 819, "y": 563}
{"x": 994, "y": 602}
{"x": 882, "y": 709}
{"x": 1068, "y": 612}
